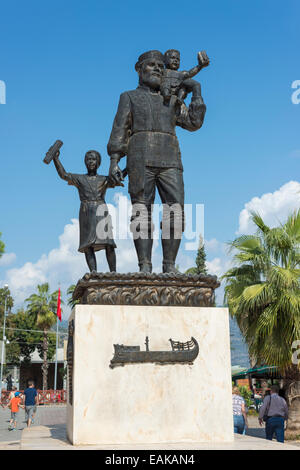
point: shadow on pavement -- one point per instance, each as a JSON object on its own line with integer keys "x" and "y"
{"x": 58, "y": 431}
{"x": 256, "y": 432}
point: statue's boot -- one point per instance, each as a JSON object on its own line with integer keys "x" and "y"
{"x": 144, "y": 249}
{"x": 170, "y": 249}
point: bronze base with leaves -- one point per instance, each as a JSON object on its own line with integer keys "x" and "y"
{"x": 167, "y": 289}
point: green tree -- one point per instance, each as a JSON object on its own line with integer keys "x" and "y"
{"x": 6, "y": 302}
{"x": 200, "y": 267}
{"x": 5, "y": 295}
{"x": 263, "y": 294}
{"x": 42, "y": 307}
{"x": 24, "y": 339}
{"x": 246, "y": 394}
{"x": 2, "y": 246}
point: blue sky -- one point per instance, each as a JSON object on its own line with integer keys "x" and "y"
{"x": 65, "y": 65}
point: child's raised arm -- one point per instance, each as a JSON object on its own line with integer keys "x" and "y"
{"x": 59, "y": 167}
{"x": 203, "y": 61}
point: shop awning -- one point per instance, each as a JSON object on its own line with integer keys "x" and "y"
{"x": 255, "y": 372}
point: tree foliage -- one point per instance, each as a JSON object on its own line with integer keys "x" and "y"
{"x": 200, "y": 267}
{"x": 5, "y": 295}
{"x": 71, "y": 301}
{"x": 24, "y": 339}
{"x": 24, "y": 333}
{"x": 263, "y": 290}
{"x": 2, "y": 246}
{"x": 246, "y": 394}
{"x": 42, "y": 308}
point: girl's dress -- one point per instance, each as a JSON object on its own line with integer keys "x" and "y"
{"x": 94, "y": 220}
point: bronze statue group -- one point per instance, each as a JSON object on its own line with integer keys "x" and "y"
{"x": 144, "y": 132}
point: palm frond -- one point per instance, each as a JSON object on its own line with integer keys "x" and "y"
{"x": 258, "y": 221}
{"x": 262, "y": 290}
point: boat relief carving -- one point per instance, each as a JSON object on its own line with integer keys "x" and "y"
{"x": 181, "y": 353}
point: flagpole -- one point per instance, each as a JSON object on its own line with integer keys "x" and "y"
{"x": 55, "y": 373}
{"x": 58, "y": 312}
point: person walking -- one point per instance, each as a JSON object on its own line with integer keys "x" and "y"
{"x": 240, "y": 421}
{"x": 9, "y": 383}
{"x": 2, "y": 398}
{"x": 274, "y": 412}
{"x": 31, "y": 402}
{"x": 14, "y": 405}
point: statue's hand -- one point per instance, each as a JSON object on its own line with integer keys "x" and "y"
{"x": 115, "y": 173}
{"x": 203, "y": 59}
{"x": 56, "y": 156}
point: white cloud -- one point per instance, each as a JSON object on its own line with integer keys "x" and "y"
{"x": 62, "y": 265}
{"x": 65, "y": 265}
{"x": 183, "y": 260}
{"x": 218, "y": 266}
{"x": 215, "y": 267}
{"x": 273, "y": 207}
{"x": 213, "y": 245}
{"x": 7, "y": 259}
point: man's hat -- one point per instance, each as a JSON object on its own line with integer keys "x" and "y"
{"x": 149, "y": 55}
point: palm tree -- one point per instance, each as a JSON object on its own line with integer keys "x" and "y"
{"x": 263, "y": 294}
{"x": 71, "y": 301}
{"x": 42, "y": 307}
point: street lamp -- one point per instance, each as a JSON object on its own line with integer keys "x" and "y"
{"x": 3, "y": 337}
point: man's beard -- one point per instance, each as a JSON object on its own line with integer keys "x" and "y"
{"x": 152, "y": 81}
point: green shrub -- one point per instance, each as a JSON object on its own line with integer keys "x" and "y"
{"x": 246, "y": 394}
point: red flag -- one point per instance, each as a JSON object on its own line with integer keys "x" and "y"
{"x": 58, "y": 313}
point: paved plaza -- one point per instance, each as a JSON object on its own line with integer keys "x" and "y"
{"x": 47, "y": 416}
{"x": 49, "y": 433}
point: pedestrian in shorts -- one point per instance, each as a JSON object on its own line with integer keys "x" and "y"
{"x": 14, "y": 405}
{"x": 31, "y": 401}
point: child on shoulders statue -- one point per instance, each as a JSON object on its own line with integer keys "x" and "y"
{"x": 180, "y": 83}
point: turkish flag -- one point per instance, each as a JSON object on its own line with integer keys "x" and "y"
{"x": 58, "y": 313}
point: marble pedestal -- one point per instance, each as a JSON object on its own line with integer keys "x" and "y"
{"x": 149, "y": 403}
